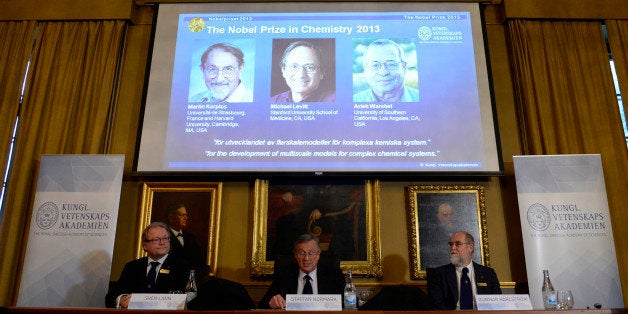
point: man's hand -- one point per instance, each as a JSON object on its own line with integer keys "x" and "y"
{"x": 277, "y": 302}
{"x": 124, "y": 301}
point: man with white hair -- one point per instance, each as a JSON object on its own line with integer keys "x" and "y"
{"x": 453, "y": 286}
{"x": 385, "y": 67}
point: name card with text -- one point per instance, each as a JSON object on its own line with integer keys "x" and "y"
{"x": 157, "y": 301}
{"x": 313, "y": 302}
{"x": 503, "y": 302}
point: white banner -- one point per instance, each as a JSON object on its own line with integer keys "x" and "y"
{"x": 72, "y": 231}
{"x": 566, "y": 228}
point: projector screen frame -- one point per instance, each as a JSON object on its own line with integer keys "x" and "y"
{"x": 314, "y": 174}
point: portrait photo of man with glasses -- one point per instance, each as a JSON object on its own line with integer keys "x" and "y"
{"x": 223, "y": 67}
{"x": 386, "y": 76}
{"x": 307, "y": 71}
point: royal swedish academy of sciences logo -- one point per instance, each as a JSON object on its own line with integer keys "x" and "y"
{"x": 538, "y": 217}
{"x": 424, "y": 33}
{"x": 196, "y": 24}
{"x": 47, "y": 215}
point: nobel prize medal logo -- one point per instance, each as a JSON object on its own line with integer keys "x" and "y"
{"x": 538, "y": 217}
{"x": 424, "y": 33}
{"x": 47, "y": 215}
{"x": 196, "y": 24}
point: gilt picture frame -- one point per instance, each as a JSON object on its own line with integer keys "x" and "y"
{"x": 202, "y": 201}
{"x": 434, "y": 212}
{"x": 348, "y": 227}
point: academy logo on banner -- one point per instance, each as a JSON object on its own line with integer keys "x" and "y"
{"x": 73, "y": 218}
{"x": 565, "y": 217}
{"x": 47, "y": 215}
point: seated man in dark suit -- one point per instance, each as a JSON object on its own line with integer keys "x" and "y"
{"x": 304, "y": 277}
{"x": 159, "y": 272}
{"x": 462, "y": 275}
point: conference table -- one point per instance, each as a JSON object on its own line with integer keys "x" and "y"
{"x": 112, "y": 311}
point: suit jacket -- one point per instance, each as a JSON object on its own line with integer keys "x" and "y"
{"x": 173, "y": 275}
{"x": 442, "y": 284}
{"x": 330, "y": 280}
{"x": 191, "y": 251}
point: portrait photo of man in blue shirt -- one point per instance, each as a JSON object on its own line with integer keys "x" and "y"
{"x": 385, "y": 66}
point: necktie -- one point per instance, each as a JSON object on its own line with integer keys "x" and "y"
{"x": 307, "y": 288}
{"x": 180, "y": 238}
{"x": 466, "y": 293}
{"x": 152, "y": 276}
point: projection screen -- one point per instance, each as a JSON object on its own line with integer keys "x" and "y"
{"x": 368, "y": 88}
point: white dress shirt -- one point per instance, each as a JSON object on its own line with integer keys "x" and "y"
{"x": 313, "y": 281}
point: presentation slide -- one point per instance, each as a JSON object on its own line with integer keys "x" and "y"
{"x": 318, "y": 88}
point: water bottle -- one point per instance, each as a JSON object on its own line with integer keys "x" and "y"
{"x": 549, "y": 294}
{"x": 351, "y": 300}
{"x": 190, "y": 288}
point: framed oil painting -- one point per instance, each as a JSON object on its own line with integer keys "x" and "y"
{"x": 434, "y": 213}
{"x": 202, "y": 204}
{"x": 344, "y": 216}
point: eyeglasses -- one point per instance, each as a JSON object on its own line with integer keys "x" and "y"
{"x": 309, "y": 68}
{"x": 158, "y": 240}
{"x": 212, "y": 71}
{"x": 456, "y": 244}
{"x": 390, "y": 66}
{"x": 303, "y": 254}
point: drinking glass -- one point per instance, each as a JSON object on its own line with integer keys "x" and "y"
{"x": 365, "y": 295}
{"x": 565, "y": 300}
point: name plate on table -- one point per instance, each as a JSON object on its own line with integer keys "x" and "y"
{"x": 503, "y": 302}
{"x": 157, "y": 301}
{"x": 313, "y": 302}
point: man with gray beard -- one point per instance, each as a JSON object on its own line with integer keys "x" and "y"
{"x": 453, "y": 286}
